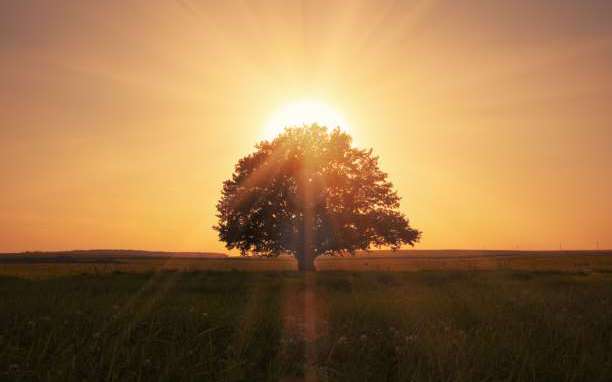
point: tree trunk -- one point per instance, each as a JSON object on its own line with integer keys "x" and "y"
{"x": 305, "y": 262}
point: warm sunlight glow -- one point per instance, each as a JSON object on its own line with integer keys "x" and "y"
{"x": 304, "y": 112}
{"x": 120, "y": 120}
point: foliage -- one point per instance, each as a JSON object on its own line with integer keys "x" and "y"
{"x": 310, "y": 192}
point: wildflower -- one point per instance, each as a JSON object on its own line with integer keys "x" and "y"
{"x": 146, "y": 363}
{"x": 115, "y": 306}
{"x": 342, "y": 340}
{"x": 204, "y": 314}
{"x": 363, "y": 338}
{"x": 46, "y": 318}
{"x": 410, "y": 338}
{"x": 394, "y": 332}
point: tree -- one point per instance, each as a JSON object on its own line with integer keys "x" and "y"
{"x": 308, "y": 192}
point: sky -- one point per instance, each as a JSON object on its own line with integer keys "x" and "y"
{"x": 119, "y": 120}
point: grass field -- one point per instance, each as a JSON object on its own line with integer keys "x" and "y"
{"x": 103, "y": 261}
{"x": 112, "y": 322}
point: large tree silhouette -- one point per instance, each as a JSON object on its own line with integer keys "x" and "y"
{"x": 308, "y": 192}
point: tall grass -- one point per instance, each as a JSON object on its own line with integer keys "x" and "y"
{"x": 232, "y": 326}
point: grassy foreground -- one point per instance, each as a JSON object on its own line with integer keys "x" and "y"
{"x": 234, "y": 326}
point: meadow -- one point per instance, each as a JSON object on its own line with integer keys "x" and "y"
{"x": 45, "y": 264}
{"x": 117, "y": 322}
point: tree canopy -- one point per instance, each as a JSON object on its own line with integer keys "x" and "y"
{"x": 309, "y": 192}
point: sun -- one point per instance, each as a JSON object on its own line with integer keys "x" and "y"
{"x": 304, "y": 112}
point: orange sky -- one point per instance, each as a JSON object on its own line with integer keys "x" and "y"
{"x": 120, "y": 119}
